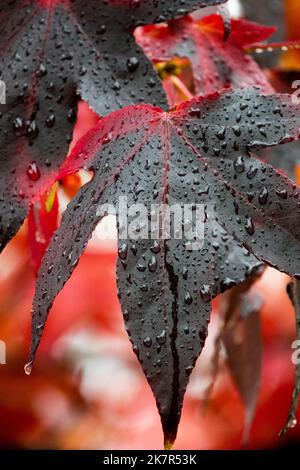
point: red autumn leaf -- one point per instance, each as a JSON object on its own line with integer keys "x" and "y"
{"x": 216, "y": 64}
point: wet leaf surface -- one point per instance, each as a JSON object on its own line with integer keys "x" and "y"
{"x": 52, "y": 52}
{"x": 197, "y": 154}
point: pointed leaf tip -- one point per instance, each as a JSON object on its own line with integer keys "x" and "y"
{"x": 168, "y": 443}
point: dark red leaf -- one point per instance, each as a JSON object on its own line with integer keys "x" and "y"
{"x": 198, "y": 154}
{"x": 216, "y": 64}
{"x": 243, "y": 356}
{"x": 52, "y": 52}
{"x": 243, "y": 345}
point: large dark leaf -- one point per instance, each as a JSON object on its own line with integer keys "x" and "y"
{"x": 216, "y": 64}
{"x": 198, "y": 154}
{"x": 51, "y": 52}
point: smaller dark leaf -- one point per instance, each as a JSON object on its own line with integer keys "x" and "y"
{"x": 293, "y": 290}
{"x": 243, "y": 346}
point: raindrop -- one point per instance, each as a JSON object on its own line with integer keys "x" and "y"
{"x": 122, "y": 252}
{"x": 282, "y": 193}
{"x": 28, "y": 368}
{"x": 33, "y": 171}
{"x": 161, "y": 339}
{"x": 50, "y": 121}
{"x": 205, "y": 292}
{"x": 239, "y": 165}
{"x": 152, "y": 265}
{"x": 31, "y": 129}
{"x": 237, "y": 130}
{"x": 249, "y": 226}
{"x": 132, "y": 64}
{"x": 263, "y": 196}
{"x": 18, "y": 126}
{"x": 227, "y": 283}
{"x": 155, "y": 247}
{"x": 188, "y": 299}
{"x": 147, "y": 342}
{"x": 251, "y": 172}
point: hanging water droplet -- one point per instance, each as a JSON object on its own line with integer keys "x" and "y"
{"x": 28, "y": 368}
{"x": 293, "y": 423}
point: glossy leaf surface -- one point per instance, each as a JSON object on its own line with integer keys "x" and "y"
{"x": 197, "y": 155}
